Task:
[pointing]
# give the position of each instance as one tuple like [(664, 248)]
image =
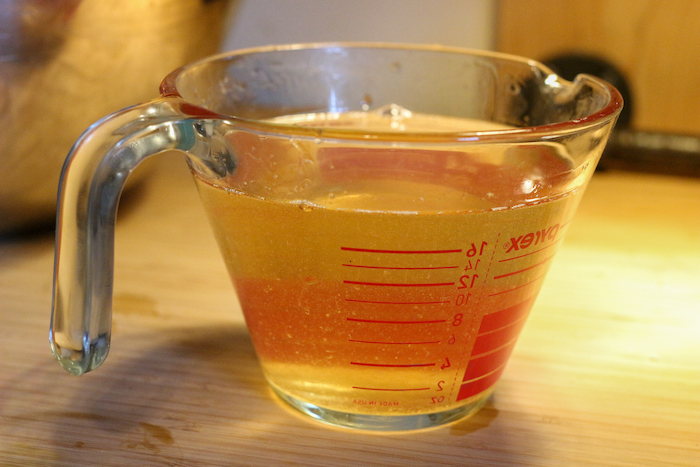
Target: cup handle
[(91, 183)]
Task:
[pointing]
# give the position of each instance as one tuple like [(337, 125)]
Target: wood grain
[(606, 372), (654, 43)]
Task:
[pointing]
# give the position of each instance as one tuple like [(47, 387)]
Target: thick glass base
[(383, 422)]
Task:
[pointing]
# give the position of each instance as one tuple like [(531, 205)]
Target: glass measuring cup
[(387, 214)]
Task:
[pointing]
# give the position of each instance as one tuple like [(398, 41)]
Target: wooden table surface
[(606, 372)]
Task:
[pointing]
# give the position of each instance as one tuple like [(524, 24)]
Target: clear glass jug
[(387, 214)]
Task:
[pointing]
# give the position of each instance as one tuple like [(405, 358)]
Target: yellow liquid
[(385, 280)]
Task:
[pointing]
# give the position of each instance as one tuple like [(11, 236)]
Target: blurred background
[(653, 44), (66, 63), (466, 23)]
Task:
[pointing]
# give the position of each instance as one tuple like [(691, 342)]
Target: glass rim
[(602, 117)]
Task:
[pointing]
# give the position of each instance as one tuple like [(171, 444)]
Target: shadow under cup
[(387, 213)]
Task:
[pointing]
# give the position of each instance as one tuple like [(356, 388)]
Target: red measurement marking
[(390, 267), (387, 389), (505, 317), (393, 343), (396, 322), (518, 287), (476, 386), (387, 365), (385, 284), (497, 339), (523, 270), (532, 252), (486, 364), (402, 252), (397, 303)]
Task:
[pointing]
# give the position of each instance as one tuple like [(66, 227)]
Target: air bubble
[(310, 280), (394, 111)]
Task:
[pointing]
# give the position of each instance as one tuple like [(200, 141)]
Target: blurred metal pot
[(66, 63)]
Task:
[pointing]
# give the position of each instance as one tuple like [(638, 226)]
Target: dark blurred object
[(627, 149), (31, 28), (660, 153), (67, 63)]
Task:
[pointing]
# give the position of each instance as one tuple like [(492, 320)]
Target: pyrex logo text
[(533, 238)]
